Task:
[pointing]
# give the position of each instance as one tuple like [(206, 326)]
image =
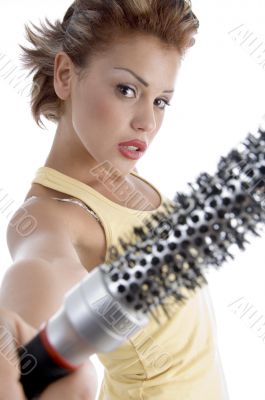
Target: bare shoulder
[(35, 219), (69, 229)]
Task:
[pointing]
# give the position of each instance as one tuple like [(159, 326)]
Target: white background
[(219, 99)]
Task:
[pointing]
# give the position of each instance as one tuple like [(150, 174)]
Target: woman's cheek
[(105, 110)]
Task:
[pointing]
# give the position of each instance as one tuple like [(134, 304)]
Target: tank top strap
[(74, 201), (117, 221)]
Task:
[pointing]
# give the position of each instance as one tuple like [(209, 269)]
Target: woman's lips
[(142, 146), (131, 154)]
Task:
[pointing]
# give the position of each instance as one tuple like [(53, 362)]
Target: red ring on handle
[(58, 359)]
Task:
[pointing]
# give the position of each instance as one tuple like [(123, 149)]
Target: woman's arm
[(45, 267)]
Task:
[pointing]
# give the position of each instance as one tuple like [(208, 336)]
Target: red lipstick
[(133, 149)]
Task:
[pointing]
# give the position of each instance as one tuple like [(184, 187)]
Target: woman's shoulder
[(80, 227)]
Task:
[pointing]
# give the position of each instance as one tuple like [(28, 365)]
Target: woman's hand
[(14, 332)]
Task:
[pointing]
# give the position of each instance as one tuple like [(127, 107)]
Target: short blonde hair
[(88, 28)]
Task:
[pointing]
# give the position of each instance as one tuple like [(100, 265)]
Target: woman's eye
[(166, 102), (124, 88)]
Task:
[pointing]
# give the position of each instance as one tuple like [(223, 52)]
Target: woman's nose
[(145, 118)]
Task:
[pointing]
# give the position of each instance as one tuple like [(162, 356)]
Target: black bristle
[(139, 232), (152, 312), (254, 231), (162, 304)]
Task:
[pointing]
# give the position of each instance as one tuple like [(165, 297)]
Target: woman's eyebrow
[(141, 79)]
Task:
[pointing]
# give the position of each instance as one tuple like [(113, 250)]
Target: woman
[(105, 76)]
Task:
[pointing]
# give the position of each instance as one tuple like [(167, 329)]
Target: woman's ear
[(63, 71)]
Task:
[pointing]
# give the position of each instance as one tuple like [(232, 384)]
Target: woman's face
[(110, 105)]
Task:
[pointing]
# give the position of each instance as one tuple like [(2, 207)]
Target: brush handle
[(49, 367)]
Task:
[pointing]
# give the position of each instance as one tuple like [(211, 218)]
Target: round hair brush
[(169, 252)]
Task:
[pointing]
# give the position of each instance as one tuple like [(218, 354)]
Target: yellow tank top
[(177, 360)]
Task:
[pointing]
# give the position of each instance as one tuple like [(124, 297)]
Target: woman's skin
[(98, 115)]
